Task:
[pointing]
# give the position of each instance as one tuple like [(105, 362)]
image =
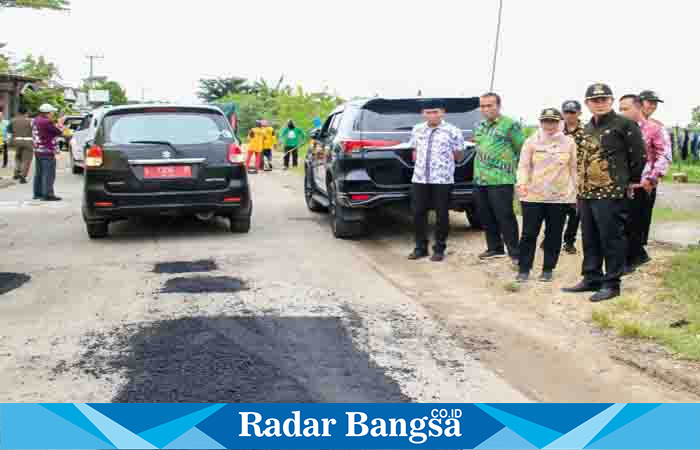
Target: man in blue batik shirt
[(436, 143)]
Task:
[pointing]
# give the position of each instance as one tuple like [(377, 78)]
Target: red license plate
[(167, 171)]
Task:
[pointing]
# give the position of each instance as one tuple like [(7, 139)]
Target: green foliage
[(117, 94), (4, 64), (32, 100), (61, 5), (695, 119), (280, 105), (38, 68), (213, 89)]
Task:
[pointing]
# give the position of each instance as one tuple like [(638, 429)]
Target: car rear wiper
[(156, 143)]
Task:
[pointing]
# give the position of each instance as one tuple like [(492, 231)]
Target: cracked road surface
[(181, 310)]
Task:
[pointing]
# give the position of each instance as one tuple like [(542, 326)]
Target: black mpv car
[(165, 159), (360, 159)]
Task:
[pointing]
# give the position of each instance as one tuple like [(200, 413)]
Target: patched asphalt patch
[(203, 285), (238, 359), (203, 265), (11, 281)]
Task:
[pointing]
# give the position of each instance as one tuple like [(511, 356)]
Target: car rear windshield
[(177, 128), (403, 115)]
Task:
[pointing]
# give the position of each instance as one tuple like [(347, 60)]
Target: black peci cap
[(432, 103), (571, 106), (550, 114), (650, 95), (598, 90)]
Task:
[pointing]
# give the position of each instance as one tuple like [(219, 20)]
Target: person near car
[(291, 138), (573, 127), (269, 140), (44, 133), (436, 145), (255, 147), (20, 129), (546, 185), (3, 139), (611, 159), (641, 205), (499, 140)]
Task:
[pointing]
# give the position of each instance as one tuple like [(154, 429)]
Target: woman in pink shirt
[(546, 186)]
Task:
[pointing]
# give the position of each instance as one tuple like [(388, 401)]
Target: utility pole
[(495, 51), (92, 59)]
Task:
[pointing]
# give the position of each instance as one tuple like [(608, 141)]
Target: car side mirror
[(315, 133)]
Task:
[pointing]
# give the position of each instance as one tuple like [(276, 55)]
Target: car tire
[(240, 224), (97, 230), (342, 229), (473, 218), (312, 204)]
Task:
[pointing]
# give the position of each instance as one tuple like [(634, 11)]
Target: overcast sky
[(550, 50)]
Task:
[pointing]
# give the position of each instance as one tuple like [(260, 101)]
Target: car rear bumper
[(460, 198), (100, 205)]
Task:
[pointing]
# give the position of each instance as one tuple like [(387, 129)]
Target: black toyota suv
[(165, 159), (361, 159)]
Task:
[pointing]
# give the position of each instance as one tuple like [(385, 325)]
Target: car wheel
[(312, 204), (342, 229), (240, 224), (473, 218), (97, 230)]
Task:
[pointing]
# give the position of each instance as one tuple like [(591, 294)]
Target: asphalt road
[(181, 310)]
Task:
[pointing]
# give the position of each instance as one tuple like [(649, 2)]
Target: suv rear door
[(154, 149), (384, 130)]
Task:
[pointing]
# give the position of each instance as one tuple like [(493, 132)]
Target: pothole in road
[(203, 265), (203, 285), (238, 359), (11, 281)]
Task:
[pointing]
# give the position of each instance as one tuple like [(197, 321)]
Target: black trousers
[(640, 210), (425, 198), (294, 152), (572, 221), (495, 207), (4, 154), (553, 215), (603, 225)]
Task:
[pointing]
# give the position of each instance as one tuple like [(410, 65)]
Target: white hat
[(46, 108)]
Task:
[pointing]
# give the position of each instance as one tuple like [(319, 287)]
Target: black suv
[(360, 159), (157, 159)]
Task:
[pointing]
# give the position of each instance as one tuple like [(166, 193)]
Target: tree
[(38, 68), (60, 5), (212, 89), (117, 94), (695, 120), (32, 100)]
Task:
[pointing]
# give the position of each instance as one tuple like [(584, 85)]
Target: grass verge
[(670, 315), (666, 214), (691, 169)]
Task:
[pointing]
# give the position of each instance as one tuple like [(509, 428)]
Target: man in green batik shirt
[(499, 140)]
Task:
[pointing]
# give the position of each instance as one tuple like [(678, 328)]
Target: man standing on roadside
[(21, 130), (574, 129), (644, 194), (499, 140), (612, 153), (436, 143), (45, 132), (291, 138), (3, 139)]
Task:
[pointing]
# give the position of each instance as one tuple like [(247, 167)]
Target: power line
[(495, 51)]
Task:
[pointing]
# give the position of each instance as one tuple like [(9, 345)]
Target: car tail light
[(359, 197), (235, 154), (357, 145), (93, 156), (104, 204), (232, 199)]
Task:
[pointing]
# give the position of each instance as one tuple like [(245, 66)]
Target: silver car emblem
[(166, 154)]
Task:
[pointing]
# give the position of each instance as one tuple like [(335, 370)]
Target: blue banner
[(349, 426)]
